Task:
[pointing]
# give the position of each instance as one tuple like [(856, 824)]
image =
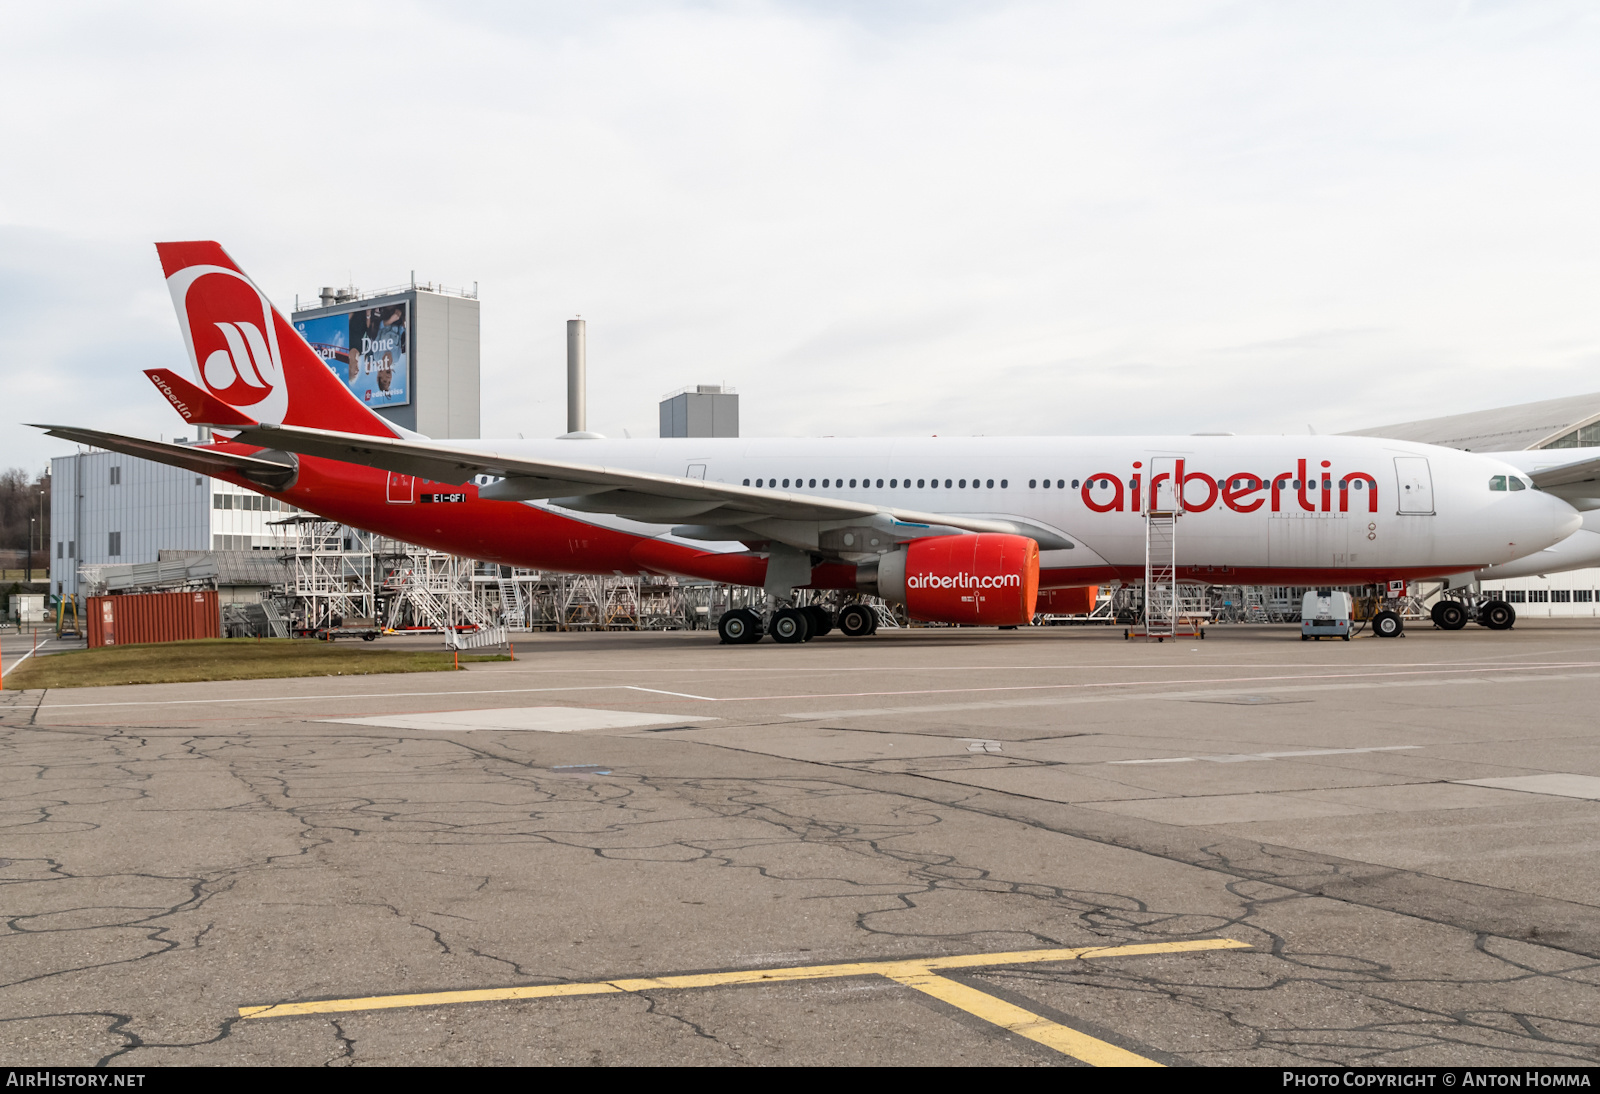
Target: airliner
[(975, 530)]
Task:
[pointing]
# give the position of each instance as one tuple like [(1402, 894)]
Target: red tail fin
[(246, 354)]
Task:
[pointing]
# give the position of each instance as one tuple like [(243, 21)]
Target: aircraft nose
[(1558, 519)]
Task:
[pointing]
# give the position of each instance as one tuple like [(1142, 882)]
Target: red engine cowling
[(986, 579)]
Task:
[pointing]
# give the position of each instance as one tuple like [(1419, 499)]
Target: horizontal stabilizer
[(276, 472), (196, 406)]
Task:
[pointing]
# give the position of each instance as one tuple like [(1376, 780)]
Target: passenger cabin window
[(1498, 482)]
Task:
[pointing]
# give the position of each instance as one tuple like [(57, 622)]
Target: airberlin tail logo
[(233, 340), (246, 360)]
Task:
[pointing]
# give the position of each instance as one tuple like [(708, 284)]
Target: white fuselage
[(1255, 509)]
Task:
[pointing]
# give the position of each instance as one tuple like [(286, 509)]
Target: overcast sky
[(981, 218)]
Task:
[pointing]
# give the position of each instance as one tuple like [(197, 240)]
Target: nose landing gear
[(1387, 624)]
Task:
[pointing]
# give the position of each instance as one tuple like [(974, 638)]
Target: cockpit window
[(1516, 483), (1497, 483)]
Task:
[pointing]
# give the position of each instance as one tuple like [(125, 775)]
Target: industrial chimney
[(576, 410)]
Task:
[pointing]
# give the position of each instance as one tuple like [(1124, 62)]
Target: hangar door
[(1415, 484)]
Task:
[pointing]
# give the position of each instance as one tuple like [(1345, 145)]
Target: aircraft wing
[(273, 473), (592, 488), (571, 484)]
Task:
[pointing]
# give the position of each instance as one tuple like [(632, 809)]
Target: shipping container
[(1068, 601), (152, 617)]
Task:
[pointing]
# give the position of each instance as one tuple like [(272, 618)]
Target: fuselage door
[(1415, 482), (402, 488), (696, 471), (1161, 492)]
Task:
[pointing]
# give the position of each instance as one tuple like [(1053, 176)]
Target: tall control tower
[(410, 353)]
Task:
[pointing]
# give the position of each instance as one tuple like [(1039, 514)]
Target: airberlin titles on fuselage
[(1105, 492), (1241, 491)]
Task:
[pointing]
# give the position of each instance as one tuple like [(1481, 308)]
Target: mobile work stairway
[(1163, 615)]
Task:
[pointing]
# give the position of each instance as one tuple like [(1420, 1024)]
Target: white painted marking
[(978, 744), (447, 694), (27, 655), (1561, 784), (1479, 677), (679, 694), (1247, 757), (538, 719)]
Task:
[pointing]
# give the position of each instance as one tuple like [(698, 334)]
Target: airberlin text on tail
[(196, 405), (245, 355)]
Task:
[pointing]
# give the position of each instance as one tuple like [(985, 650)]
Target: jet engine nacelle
[(984, 579)]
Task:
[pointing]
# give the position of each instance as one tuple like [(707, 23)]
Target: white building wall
[(148, 507), (241, 520), (1575, 593)]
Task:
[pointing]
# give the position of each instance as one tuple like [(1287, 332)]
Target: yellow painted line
[(1024, 1023), (891, 969), (436, 998)]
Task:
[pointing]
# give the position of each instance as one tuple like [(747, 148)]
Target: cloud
[(1013, 218)]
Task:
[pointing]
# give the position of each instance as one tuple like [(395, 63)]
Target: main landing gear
[(858, 620), (791, 626), (740, 627), (1453, 615)]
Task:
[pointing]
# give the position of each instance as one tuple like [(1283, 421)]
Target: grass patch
[(223, 659)]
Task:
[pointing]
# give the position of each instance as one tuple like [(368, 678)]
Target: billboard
[(369, 349)]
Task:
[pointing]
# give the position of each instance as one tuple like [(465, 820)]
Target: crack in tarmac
[(868, 847)]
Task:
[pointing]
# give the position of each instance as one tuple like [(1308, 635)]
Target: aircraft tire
[(1449, 615), (857, 620), (791, 626), (821, 620), (1388, 625), (739, 627), (1497, 615)]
